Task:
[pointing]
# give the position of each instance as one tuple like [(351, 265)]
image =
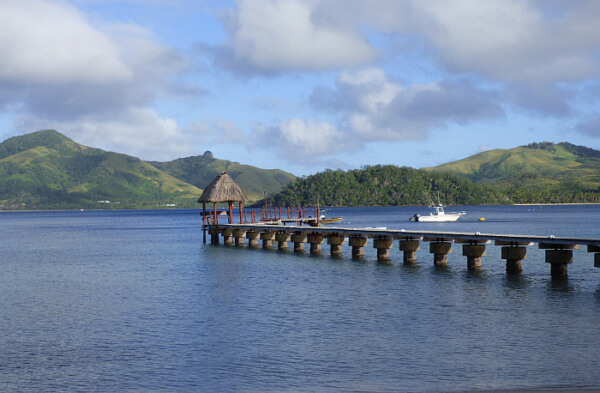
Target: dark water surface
[(133, 301)]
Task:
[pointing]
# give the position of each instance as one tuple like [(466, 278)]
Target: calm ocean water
[(133, 301)]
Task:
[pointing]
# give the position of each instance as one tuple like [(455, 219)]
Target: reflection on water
[(132, 301), (560, 284)]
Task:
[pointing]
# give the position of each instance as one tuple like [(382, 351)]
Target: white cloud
[(217, 131), (137, 131), (512, 40), (273, 35), (297, 140), (376, 107), (505, 40), (50, 42), (95, 83)]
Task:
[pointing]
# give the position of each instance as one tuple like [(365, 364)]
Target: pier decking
[(558, 250)]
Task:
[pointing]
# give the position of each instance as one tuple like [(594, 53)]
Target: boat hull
[(324, 221), (439, 217)]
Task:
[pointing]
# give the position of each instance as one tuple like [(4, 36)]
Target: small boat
[(324, 220), (438, 215)]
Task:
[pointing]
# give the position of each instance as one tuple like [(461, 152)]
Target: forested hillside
[(382, 185), (201, 170), (47, 170), (536, 173)]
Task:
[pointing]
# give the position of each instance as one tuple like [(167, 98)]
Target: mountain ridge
[(47, 170), (536, 172)]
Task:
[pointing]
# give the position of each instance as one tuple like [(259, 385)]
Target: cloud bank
[(358, 72)]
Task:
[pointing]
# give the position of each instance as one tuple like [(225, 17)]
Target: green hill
[(537, 173), (47, 170), (382, 185), (201, 170)]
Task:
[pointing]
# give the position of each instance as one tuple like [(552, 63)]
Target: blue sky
[(303, 85)]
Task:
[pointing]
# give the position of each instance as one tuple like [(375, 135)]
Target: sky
[(303, 85)]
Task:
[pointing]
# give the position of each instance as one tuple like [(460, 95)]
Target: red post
[(215, 213), (231, 212), (241, 213), (318, 215)]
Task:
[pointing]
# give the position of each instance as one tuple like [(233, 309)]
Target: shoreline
[(322, 207), (538, 390), (554, 204)]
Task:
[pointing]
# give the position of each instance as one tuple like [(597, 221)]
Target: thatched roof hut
[(222, 189)]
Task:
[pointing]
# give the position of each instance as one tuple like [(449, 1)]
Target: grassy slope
[(47, 169), (201, 170), (540, 168), (549, 162)]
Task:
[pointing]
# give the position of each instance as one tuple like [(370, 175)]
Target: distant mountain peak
[(51, 139), (542, 145), (576, 150)]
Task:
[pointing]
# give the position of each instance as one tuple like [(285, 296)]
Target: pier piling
[(410, 248), (336, 241), (267, 239), (239, 236), (513, 253), (558, 251), (473, 250), (282, 239), (214, 236), (440, 250), (315, 240), (358, 245), (299, 239), (227, 236), (253, 238), (383, 246), (559, 256), (596, 251)]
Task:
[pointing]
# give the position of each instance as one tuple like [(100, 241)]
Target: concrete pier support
[(596, 251), (282, 239), (336, 241), (473, 252), (514, 256), (440, 251), (383, 246), (410, 248), (227, 236), (267, 239), (315, 240), (358, 244), (239, 236), (214, 236), (252, 237), (299, 239), (559, 256), (513, 253)]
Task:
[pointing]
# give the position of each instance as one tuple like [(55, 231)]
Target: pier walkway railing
[(558, 250)]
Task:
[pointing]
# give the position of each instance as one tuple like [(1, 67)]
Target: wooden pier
[(558, 250)]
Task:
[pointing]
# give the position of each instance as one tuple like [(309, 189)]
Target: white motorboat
[(439, 214)]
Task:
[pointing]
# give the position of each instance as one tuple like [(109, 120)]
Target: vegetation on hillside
[(201, 170), (46, 170), (537, 173), (382, 185)]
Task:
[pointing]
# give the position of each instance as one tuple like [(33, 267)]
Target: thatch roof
[(223, 189)]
